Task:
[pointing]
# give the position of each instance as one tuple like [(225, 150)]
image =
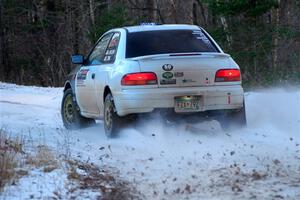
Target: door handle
[(93, 75)]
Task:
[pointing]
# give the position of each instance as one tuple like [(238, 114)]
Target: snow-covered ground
[(200, 161)]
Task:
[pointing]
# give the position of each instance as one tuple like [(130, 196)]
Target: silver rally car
[(140, 69)]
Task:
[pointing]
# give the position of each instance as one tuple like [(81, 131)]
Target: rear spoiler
[(174, 55)]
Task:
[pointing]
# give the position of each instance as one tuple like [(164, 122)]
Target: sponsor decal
[(167, 75), (188, 81), (107, 58), (196, 32), (178, 74), (110, 52), (81, 76), (201, 36), (167, 82), (167, 67), (114, 41)]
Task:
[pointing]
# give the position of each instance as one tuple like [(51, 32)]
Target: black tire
[(70, 113), (112, 121), (233, 119)]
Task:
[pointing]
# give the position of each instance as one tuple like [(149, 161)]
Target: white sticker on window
[(107, 58)]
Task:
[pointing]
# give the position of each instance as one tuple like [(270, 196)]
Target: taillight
[(143, 78), (225, 75)]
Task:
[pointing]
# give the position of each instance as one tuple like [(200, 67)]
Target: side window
[(111, 51), (98, 53)]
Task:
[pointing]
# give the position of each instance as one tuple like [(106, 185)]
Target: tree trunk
[(151, 7), (275, 21), (92, 14), (225, 27)]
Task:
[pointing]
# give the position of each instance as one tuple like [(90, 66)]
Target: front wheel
[(70, 113), (112, 121)]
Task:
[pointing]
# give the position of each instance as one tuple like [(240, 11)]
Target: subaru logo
[(168, 75), (167, 67)]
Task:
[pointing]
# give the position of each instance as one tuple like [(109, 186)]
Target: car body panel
[(130, 101), (195, 70), (84, 89)]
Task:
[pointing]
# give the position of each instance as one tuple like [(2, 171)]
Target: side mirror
[(77, 59)]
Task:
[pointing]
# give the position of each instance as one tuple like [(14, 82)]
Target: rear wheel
[(70, 113), (112, 121), (233, 119)]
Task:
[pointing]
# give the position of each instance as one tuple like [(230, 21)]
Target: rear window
[(167, 41)]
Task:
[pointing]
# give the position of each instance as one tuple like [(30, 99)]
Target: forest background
[(37, 37)]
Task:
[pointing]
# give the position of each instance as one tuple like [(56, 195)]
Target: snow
[(43, 184), (194, 162), (40, 185)]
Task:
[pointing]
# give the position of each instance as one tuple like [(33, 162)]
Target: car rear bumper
[(129, 101)]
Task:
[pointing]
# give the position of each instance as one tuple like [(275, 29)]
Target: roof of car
[(151, 27)]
